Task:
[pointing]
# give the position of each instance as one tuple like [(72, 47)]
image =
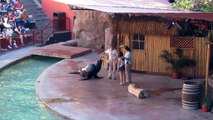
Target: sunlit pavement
[(14, 55), (103, 99)]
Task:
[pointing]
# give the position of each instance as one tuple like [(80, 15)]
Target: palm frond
[(179, 62)]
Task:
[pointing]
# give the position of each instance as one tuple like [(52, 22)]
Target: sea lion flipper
[(83, 79), (86, 78), (97, 77), (74, 72)]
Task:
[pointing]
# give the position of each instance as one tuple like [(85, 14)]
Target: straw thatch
[(142, 25)]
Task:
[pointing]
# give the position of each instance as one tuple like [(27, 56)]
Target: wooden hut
[(148, 36)]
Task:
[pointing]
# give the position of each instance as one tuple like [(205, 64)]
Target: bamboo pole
[(207, 68)]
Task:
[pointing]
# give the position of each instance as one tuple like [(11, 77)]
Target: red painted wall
[(50, 6)]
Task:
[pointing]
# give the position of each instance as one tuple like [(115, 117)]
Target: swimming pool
[(18, 100)]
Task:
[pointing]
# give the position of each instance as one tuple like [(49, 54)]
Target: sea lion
[(91, 70)]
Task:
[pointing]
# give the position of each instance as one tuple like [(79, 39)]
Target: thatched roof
[(145, 25)]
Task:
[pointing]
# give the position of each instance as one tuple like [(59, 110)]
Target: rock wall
[(89, 28)]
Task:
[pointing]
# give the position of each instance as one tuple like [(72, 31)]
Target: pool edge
[(48, 106), (3, 67)]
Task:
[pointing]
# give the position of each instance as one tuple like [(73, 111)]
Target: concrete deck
[(12, 56), (61, 51), (103, 99)]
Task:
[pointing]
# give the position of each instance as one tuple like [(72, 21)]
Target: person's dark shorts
[(121, 68)]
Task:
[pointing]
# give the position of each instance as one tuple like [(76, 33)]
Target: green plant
[(205, 101), (205, 105), (204, 98), (195, 5), (179, 61), (210, 36)]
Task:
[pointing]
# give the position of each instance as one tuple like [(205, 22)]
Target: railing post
[(53, 21), (69, 25), (42, 41), (41, 31), (33, 38)]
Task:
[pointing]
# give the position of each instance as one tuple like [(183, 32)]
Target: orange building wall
[(50, 6)]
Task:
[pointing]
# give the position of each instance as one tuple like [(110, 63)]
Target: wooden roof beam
[(72, 7)]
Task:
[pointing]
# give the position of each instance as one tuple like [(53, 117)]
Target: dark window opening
[(138, 41)]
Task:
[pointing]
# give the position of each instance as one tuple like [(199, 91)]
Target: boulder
[(89, 28)]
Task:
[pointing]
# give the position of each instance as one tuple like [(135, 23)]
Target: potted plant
[(177, 61), (205, 104), (205, 97)]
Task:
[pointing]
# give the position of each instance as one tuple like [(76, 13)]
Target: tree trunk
[(137, 91)]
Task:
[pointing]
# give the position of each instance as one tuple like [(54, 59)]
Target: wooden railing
[(55, 25)]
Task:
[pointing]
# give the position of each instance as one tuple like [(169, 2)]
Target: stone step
[(58, 37), (40, 18), (48, 27), (34, 9), (30, 6), (47, 35), (27, 1), (35, 12), (41, 24), (39, 13), (27, 4)]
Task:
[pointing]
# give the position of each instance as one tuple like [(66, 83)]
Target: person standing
[(128, 62), (121, 68), (112, 60)]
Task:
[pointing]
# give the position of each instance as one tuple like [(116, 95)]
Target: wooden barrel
[(190, 95)]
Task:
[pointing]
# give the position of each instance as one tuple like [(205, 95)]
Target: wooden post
[(207, 68)]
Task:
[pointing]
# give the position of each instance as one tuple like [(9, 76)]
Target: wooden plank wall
[(200, 56), (154, 45), (126, 39), (188, 72), (139, 60)]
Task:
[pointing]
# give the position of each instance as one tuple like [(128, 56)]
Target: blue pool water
[(18, 100)]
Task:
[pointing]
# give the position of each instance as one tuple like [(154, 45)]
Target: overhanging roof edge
[(129, 9)]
